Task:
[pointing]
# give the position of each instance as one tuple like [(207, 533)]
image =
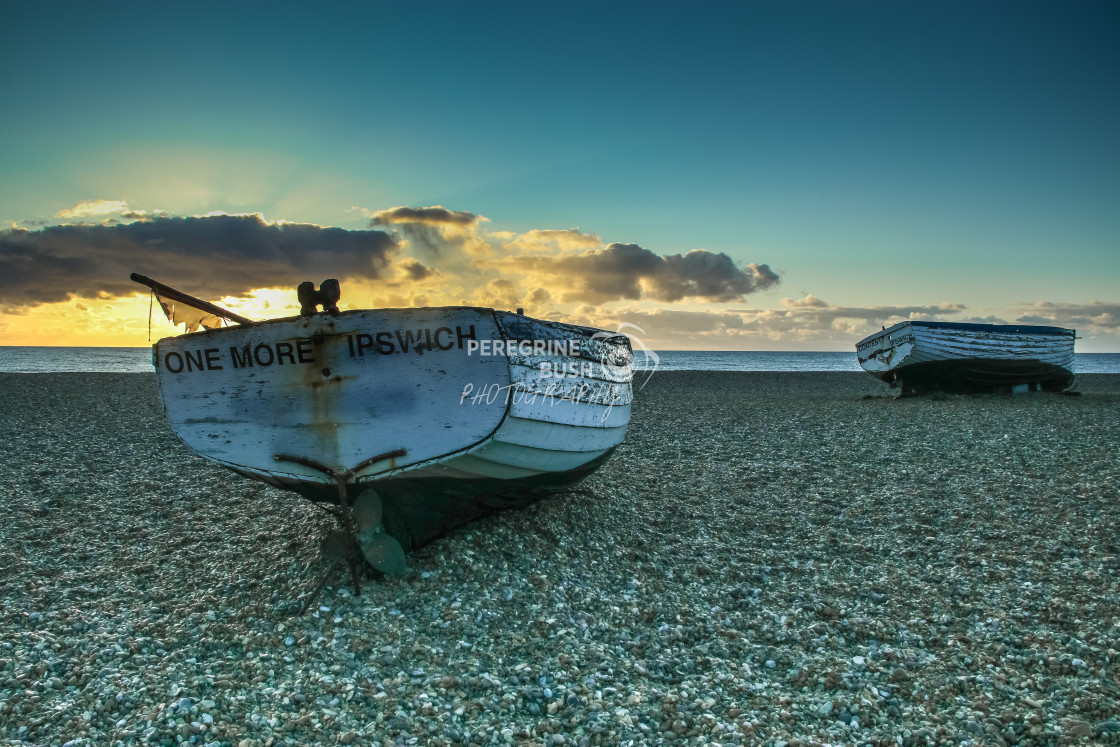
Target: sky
[(724, 176)]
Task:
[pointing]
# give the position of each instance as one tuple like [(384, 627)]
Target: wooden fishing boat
[(413, 420), (918, 357)]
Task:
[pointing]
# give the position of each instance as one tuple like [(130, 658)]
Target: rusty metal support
[(345, 516)]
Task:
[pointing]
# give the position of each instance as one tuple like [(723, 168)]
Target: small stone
[(348, 737), (1078, 728)]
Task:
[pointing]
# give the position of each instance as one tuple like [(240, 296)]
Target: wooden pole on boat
[(166, 291)]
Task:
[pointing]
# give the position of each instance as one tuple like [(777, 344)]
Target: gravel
[(785, 559)]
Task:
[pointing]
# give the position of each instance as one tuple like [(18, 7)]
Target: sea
[(139, 360)]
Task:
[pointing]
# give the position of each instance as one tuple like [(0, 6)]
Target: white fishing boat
[(418, 419), (918, 356)]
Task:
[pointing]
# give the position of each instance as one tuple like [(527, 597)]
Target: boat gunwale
[(1027, 329)]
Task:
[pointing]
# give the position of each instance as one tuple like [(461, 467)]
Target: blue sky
[(884, 159)]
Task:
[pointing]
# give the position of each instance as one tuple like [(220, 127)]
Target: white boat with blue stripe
[(920, 356)]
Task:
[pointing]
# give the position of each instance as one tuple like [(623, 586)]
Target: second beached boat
[(918, 356)]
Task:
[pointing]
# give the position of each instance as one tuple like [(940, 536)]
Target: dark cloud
[(627, 271), (215, 256), (436, 215), (537, 298), (713, 277), (424, 227), (414, 269)]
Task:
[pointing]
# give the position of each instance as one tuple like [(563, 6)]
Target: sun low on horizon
[(750, 176)]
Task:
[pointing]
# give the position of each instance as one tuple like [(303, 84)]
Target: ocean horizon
[(44, 359)]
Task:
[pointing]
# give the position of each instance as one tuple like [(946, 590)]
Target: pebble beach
[(770, 559)]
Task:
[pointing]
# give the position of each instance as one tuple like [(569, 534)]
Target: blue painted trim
[(1011, 328)]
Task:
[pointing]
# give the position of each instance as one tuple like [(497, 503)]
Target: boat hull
[(922, 357), (448, 413)]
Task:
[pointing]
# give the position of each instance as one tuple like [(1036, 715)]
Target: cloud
[(415, 270), (89, 208), (1094, 316), (570, 264), (712, 277), (549, 241), (824, 314), (812, 323), (437, 215), (438, 232), (499, 293), (804, 322), (536, 299), (629, 272), (221, 255), (809, 302)]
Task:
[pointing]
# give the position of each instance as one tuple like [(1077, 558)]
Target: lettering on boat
[(302, 350), (249, 355), (408, 340), (896, 338)]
